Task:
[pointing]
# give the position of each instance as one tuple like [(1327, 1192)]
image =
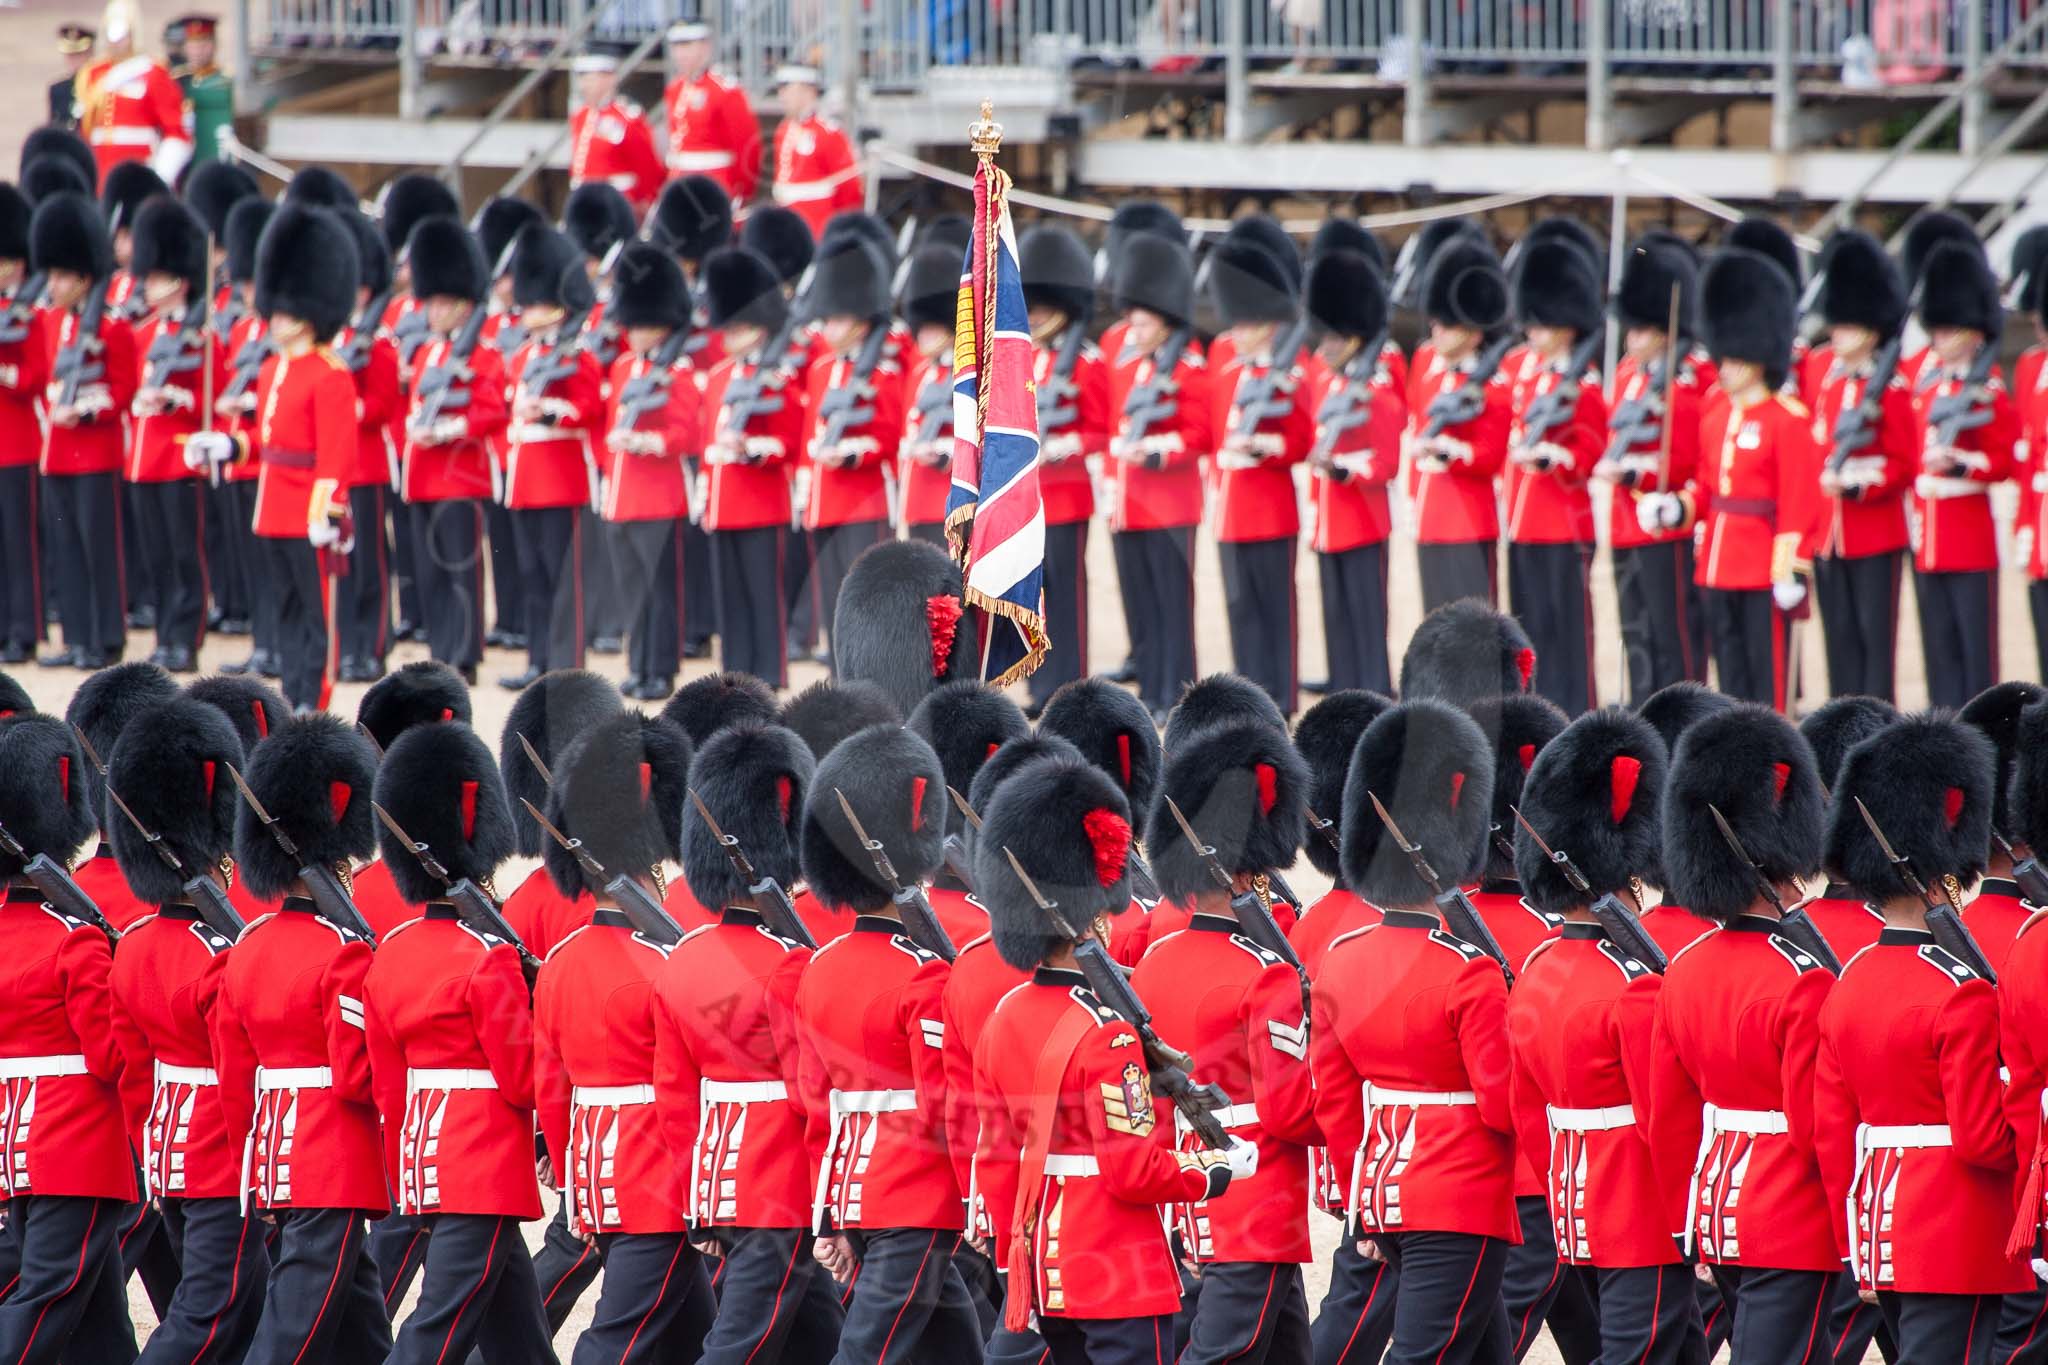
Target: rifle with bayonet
[(1266, 394), (1455, 407), (408, 333), (1856, 427), (1157, 399), (81, 360), (53, 879), (1621, 925), (1461, 916), (1059, 398), (443, 389), (920, 921), (1969, 407), (1639, 420), (1549, 411), (363, 333), (769, 898), (177, 350), (20, 312), (1348, 407), (647, 391), (751, 395), (207, 895), (1942, 920), (1171, 1068), (473, 905), (2026, 871), (248, 367), (853, 402), (647, 915), (558, 361), (934, 411), (1794, 924), (323, 888), (1254, 917)]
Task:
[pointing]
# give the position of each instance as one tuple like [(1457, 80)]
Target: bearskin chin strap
[(227, 870), (1953, 889), (345, 873), (660, 882)]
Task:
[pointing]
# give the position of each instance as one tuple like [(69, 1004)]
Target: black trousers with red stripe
[(1663, 627), (700, 606), (1650, 1314), (549, 541), (398, 1244), (1356, 1319), (1854, 1324), (219, 1298), (1247, 1313), (1355, 618), (1108, 1341), (746, 579), (1781, 1317), (655, 1303), (292, 568), (1550, 591), (85, 519), (835, 548), (565, 1266), (1259, 598), (800, 590), (1750, 641), (1538, 1291), (477, 1290), (146, 1251), (648, 559), (1452, 572), (1066, 609), (510, 592), (2023, 1328), (247, 547), (323, 1305), (69, 1302), (909, 1302), (1859, 611), (362, 599), (21, 568), (170, 535), (448, 560), (1941, 1329), (225, 572), (1958, 633), (1157, 569), (775, 1302), (1447, 1304)]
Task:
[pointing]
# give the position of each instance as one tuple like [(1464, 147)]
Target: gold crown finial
[(985, 135)]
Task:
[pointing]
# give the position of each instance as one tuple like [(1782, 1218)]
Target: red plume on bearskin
[(620, 786), (1927, 780), (754, 777), (1430, 765), (167, 767), (314, 775), (40, 804), (441, 783), (965, 723), (1733, 761), (1594, 793), (1069, 826), (1113, 730), (880, 771)]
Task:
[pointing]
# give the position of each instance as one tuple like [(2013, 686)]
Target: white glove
[(176, 398), (208, 447), (1549, 455), (1243, 1159), (327, 535), (1658, 512), (1864, 471), (1063, 447), (1451, 450), (1788, 593)]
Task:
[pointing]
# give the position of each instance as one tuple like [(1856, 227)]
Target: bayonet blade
[(284, 841), (1735, 843), (364, 731), (1561, 861), (420, 851), (1870, 821), (1326, 828), (876, 853), (533, 757), (1051, 908), (966, 811), (574, 847), (90, 752), (155, 840), (1387, 819), (728, 842)]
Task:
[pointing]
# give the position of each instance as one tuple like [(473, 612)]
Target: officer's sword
[(1461, 916), (322, 886), (768, 895), (1795, 924), (649, 918), (473, 905), (1624, 929), (919, 919), (203, 891), (1942, 920)]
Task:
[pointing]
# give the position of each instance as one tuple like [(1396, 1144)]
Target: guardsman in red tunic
[(725, 1069), (68, 1169), (620, 788), (1997, 913), (91, 383), (248, 341), (130, 106), (1648, 451), (925, 455), (178, 360), (1757, 492), (127, 188), (551, 463), (966, 723), (363, 599), (815, 167), (1411, 1043), (1580, 1022), (292, 1056), (609, 140), (1073, 1169), (171, 769), (1239, 1010), (100, 710), (653, 412), (1558, 433), (712, 129), (871, 1078), (24, 371), (1848, 922), (755, 403), (1862, 537), (1968, 429), (1161, 431), (1257, 515), (1737, 1031), (1910, 1115), (2022, 1009)]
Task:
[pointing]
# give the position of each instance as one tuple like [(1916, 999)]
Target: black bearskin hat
[(15, 213), (306, 268), (1861, 286), (446, 261), (214, 187), (782, 238), (52, 175), (1957, 289), (171, 767), (1219, 699), (965, 722), (1156, 274), (420, 693), (899, 623), (952, 231), (1465, 287), (826, 713), (1767, 239), (1250, 285), (102, 708), (442, 787), (1839, 725), (1113, 730), (1148, 217), (1650, 272), (931, 288), (597, 218), (1070, 828), (251, 705), (1430, 766), (620, 786), (1346, 295), (895, 785), (1927, 230), (14, 699), (68, 233), (170, 239), (1325, 736), (1519, 726), (1749, 763), (1242, 787), (1264, 232), (1594, 794), (692, 219), (373, 258), (1347, 234), (1557, 231), (859, 227), (1057, 272), (706, 705), (244, 233), (128, 186), (541, 259), (849, 279), (755, 778), (315, 776), (1418, 253), (1557, 287), (320, 187), (1006, 762), (61, 145), (44, 801), (741, 287), (648, 289), (409, 201), (500, 223), (1676, 707), (2026, 797), (1996, 711), (549, 713), (1927, 782), (1465, 651), (1749, 309)]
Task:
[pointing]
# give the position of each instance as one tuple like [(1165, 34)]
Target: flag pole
[(985, 138)]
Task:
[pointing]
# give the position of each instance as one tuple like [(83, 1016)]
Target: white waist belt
[(166, 1074), (1591, 1120), (742, 1092), (25, 1068), (1230, 1116), (873, 1101), (803, 191), (1386, 1097), (1746, 1120), (294, 1077), (1940, 488), (118, 135), (1071, 1164), (700, 161), (532, 433), (1871, 1137), (611, 1096), (449, 1078)]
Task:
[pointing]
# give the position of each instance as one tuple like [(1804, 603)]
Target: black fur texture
[(1156, 274), (649, 289), (597, 218), (171, 767), (1465, 286), (127, 187), (170, 240), (1912, 776), (1519, 727), (629, 818), (1057, 271), (1648, 276), (48, 176), (1070, 828), (1465, 651), (1010, 760), (1767, 239), (246, 224), (2026, 796), (541, 257), (1957, 289), (1249, 284), (1242, 787), (741, 286), (252, 706), (68, 233), (1839, 725), (895, 785), (319, 187), (706, 705), (1219, 699), (1431, 767), (1326, 736), (850, 278), (419, 693), (1676, 707), (1347, 294), (1752, 765), (411, 200), (1862, 286), (316, 776), (1604, 762), (1749, 309), (214, 187), (306, 268), (499, 224), (1113, 730), (61, 144), (827, 713), (551, 712), (931, 288), (441, 785), (1927, 230), (755, 778), (102, 708), (1996, 711), (446, 261), (782, 237), (882, 628), (965, 722), (1557, 286), (14, 699), (44, 801), (692, 219)]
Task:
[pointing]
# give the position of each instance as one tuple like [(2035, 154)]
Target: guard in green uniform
[(209, 91)]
